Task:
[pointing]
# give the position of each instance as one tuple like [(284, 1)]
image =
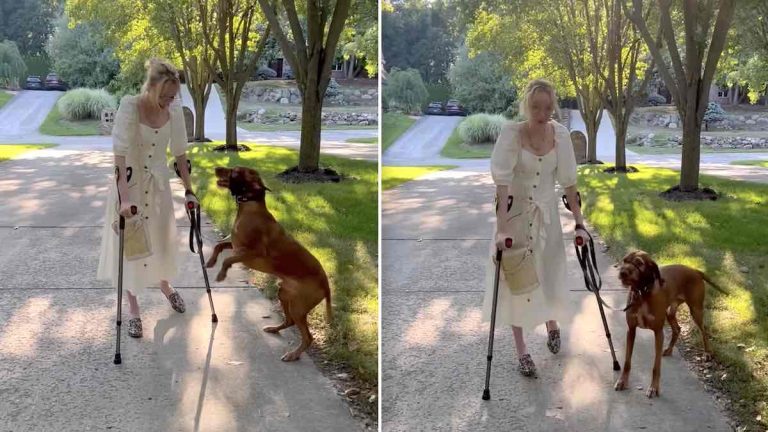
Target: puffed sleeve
[(178, 131), (505, 154), (566, 158), (124, 128)]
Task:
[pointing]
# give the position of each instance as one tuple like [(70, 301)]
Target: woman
[(527, 160), (144, 127)]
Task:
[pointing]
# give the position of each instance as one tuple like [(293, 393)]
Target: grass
[(455, 148), (10, 151), (392, 127), (759, 163), (253, 127), (5, 97), (663, 150), (720, 238), (55, 125), (278, 108), (336, 222), (364, 140), (393, 176)]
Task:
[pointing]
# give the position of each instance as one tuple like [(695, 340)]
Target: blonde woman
[(145, 125), (529, 158)]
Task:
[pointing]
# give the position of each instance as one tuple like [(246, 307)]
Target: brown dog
[(654, 296), (260, 243)]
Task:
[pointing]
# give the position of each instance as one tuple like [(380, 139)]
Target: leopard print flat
[(527, 367), (553, 341), (177, 303), (135, 329)]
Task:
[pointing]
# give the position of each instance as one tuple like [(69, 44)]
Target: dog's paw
[(290, 356), (221, 276), (653, 391), (211, 262), (271, 329), (707, 356), (667, 352), (621, 384)]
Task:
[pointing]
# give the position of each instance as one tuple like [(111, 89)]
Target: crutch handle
[(579, 241), (508, 242), (190, 205)]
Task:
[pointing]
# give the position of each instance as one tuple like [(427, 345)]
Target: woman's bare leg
[(165, 287), (551, 325), (522, 349), (133, 305)]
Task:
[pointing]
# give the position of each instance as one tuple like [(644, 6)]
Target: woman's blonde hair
[(159, 74), (531, 89)]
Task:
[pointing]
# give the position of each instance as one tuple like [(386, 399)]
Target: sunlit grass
[(758, 163), (338, 223), (392, 127), (719, 237), (55, 125), (5, 97), (456, 148), (10, 151), (393, 176)]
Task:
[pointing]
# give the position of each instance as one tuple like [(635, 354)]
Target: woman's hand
[(127, 209), (503, 241), (581, 236)]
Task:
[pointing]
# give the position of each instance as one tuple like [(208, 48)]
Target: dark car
[(52, 82), (453, 108), (435, 108), (34, 83)]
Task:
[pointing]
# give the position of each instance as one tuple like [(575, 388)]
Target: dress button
[(539, 159), (150, 155), (537, 173), (153, 144), (146, 192), (534, 186), (146, 205), (155, 131), (145, 167), (146, 217)]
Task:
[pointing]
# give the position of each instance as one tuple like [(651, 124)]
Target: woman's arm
[(122, 179), (573, 202), (181, 162)]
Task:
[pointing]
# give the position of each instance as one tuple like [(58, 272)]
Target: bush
[(480, 83), (438, 93), (656, 99), (512, 112), (85, 104), (12, 67), (334, 89), (481, 128), (405, 91), (714, 113), (263, 73), (81, 55)]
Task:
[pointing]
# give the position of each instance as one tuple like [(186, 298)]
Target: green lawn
[(55, 125), (393, 176), (393, 125), (10, 151), (253, 127), (364, 140), (336, 222), (5, 97), (455, 148), (653, 150), (760, 163), (717, 237)]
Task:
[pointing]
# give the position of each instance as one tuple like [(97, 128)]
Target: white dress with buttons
[(149, 187), (533, 178)]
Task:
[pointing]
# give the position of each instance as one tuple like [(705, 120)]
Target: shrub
[(656, 99), (481, 128), (405, 91), (84, 103), (263, 73), (714, 113), (480, 82)]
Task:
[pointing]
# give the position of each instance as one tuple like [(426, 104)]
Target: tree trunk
[(311, 125), (689, 170), (231, 112), (620, 127)]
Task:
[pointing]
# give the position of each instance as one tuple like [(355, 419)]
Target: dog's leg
[(306, 339), (234, 259), (653, 390), (287, 321), (672, 318), (216, 251), (621, 384), (697, 313)]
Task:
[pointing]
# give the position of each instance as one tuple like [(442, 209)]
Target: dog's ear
[(654, 270)]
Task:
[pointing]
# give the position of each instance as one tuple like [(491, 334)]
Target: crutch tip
[(118, 359), (214, 318), (486, 394), (616, 366)]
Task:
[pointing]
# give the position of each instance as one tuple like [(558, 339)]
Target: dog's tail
[(709, 281), (328, 308)]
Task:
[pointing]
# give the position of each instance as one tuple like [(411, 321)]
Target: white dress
[(149, 187), (533, 179)]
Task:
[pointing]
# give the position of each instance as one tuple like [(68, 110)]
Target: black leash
[(588, 262)]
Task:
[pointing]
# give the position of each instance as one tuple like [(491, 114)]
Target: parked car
[(52, 82), (435, 108), (454, 108), (34, 82)]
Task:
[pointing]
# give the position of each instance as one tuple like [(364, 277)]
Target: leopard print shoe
[(553, 341), (177, 303), (135, 329), (527, 367)]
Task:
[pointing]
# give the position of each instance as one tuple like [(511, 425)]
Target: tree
[(312, 58), (229, 28), (182, 20), (688, 82), (480, 83), (29, 23), (12, 66), (744, 63), (360, 39), (81, 56), (405, 90)]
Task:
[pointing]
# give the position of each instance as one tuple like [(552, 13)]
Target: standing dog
[(260, 243), (654, 296)]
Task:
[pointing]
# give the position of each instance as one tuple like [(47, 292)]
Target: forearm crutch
[(487, 390), (121, 236), (193, 212)]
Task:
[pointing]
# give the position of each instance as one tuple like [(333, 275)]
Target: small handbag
[(519, 270), (136, 241)]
